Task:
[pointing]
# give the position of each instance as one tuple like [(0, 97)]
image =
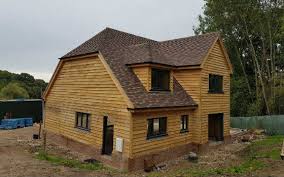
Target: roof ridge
[(196, 36), (120, 31)]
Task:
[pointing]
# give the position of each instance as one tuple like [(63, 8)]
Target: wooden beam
[(52, 80), (177, 108)]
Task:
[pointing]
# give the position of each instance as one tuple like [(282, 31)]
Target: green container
[(22, 108), (273, 125)]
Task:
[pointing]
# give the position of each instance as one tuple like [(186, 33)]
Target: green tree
[(13, 91), (33, 86), (253, 33)]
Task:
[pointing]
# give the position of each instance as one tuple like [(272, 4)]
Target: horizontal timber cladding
[(190, 80), (141, 145), (144, 75), (215, 102), (84, 85)]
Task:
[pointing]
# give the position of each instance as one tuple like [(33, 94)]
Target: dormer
[(154, 78)]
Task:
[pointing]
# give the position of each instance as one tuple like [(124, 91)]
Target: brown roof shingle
[(121, 49)]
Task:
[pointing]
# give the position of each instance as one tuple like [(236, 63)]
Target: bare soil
[(17, 159)]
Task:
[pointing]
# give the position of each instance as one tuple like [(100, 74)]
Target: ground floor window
[(184, 123), (157, 127), (82, 120)]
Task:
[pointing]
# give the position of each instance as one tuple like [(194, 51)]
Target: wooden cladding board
[(142, 146), (190, 80), (144, 75), (84, 85), (215, 103)]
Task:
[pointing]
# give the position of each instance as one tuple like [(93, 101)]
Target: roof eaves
[(79, 55)]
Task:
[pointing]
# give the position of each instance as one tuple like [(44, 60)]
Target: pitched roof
[(120, 49)]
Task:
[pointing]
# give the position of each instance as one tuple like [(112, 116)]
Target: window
[(184, 123), (157, 127), (215, 83), (160, 79), (82, 121)]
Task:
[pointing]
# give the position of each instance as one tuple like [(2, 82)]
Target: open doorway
[(107, 137), (216, 127)]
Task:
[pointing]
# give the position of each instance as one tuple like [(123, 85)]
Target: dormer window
[(160, 80)]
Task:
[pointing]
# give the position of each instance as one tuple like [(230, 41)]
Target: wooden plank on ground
[(282, 151)]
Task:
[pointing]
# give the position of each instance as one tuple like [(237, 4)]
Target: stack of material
[(16, 123)]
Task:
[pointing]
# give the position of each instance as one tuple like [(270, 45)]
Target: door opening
[(107, 137), (216, 127)]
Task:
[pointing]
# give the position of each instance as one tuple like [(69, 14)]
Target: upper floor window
[(157, 127), (184, 123), (160, 79), (82, 120), (215, 83)]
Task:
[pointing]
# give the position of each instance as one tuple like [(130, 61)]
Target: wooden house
[(125, 99)]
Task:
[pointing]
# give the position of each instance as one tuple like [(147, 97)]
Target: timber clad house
[(125, 99)]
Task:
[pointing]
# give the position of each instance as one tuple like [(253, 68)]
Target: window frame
[(81, 116), (151, 134), (159, 71), (184, 123), (215, 83)]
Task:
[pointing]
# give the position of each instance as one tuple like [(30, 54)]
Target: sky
[(35, 33)]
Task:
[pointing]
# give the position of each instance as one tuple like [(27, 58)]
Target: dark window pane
[(79, 120), (150, 127), (160, 79), (163, 125), (215, 83)]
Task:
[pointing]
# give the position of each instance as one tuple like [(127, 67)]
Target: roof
[(121, 49)]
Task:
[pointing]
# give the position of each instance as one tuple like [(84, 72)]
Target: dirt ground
[(17, 161), (17, 158)]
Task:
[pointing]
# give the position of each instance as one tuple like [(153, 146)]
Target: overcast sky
[(35, 33)]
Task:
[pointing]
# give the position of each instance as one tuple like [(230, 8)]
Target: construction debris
[(282, 151), (192, 157)]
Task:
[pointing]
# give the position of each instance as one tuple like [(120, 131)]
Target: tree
[(253, 33), (33, 86), (13, 91)]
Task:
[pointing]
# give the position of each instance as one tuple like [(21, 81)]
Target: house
[(126, 100)]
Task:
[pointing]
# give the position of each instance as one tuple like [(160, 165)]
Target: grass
[(252, 156), (270, 147), (247, 166), (69, 162)]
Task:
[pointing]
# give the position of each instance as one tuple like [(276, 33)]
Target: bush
[(13, 91)]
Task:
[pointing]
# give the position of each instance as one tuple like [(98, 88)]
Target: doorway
[(107, 137), (216, 127)]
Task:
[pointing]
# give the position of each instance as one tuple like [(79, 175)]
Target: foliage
[(252, 155), (13, 91), (33, 87), (269, 147), (253, 33), (69, 162), (247, 166)]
